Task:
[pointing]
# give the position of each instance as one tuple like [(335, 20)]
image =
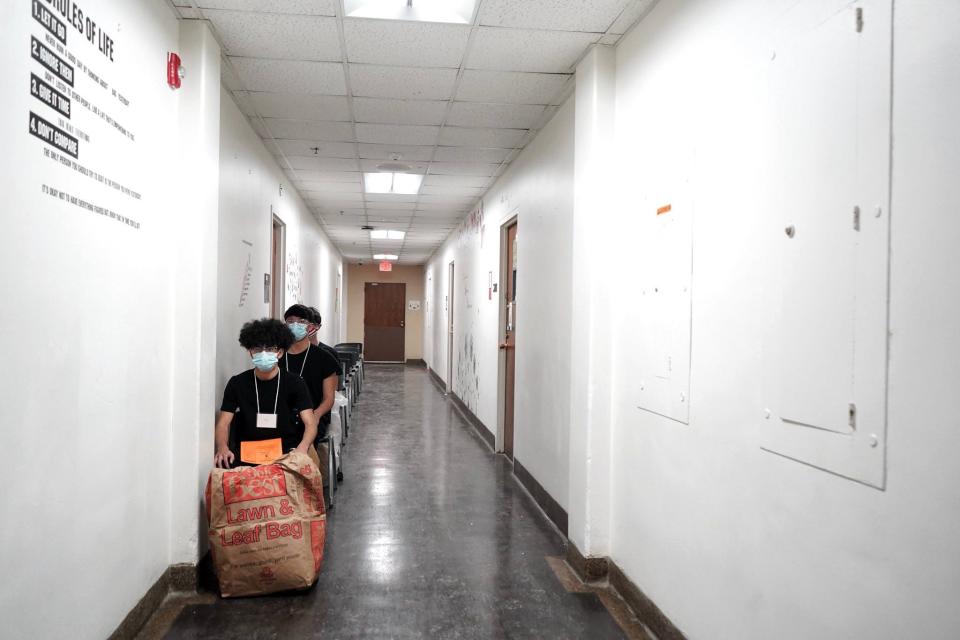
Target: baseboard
[(474, 421), (589, 569), (416, 362), (138, 616), (556, 513), (644, 608), (592, 569), (177, 577), (437, 380)]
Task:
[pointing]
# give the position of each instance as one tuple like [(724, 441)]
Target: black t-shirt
[(316, 365), (240, 399)]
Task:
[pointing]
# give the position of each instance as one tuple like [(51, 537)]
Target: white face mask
[(264, 360)]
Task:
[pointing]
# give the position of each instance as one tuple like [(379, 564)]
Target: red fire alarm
[(386, 266), (174, 70)]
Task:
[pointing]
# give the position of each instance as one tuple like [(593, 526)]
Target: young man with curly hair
[(262, 405)]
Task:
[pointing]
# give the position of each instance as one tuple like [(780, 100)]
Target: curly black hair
[(266, 332)]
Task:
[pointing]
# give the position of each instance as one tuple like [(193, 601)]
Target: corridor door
[(508, 275), (384, 306)]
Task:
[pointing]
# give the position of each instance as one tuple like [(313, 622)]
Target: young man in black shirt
[(314, 364), (263, 404)]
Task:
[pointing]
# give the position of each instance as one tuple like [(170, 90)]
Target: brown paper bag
[(267, 526)]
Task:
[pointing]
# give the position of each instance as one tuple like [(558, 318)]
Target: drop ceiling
[(334, 96)]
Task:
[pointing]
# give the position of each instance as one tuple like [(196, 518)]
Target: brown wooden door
[(384, 306), (509, 271)]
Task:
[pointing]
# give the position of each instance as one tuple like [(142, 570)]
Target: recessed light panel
[(387, 234), (453, 11), (392, 183), (384, 256)]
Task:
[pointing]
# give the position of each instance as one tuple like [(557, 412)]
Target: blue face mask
[(264, 360), (299, 330)]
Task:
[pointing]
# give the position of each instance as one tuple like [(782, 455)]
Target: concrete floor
[(430, 537)]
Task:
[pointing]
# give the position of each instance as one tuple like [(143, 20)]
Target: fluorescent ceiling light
[(387, 234), (407, 184), (455, 11), (384, 256)]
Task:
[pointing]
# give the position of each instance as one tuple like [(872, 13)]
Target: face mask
[(299, 330), (264, 360)]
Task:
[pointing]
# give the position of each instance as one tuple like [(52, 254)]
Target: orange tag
[(261, 451), (664, 209)]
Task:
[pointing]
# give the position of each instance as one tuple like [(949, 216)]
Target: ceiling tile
[(300, 130), (318, 175), (456, 181), (504, 116), (299, 107), (443, 207), (291, 76), (463, 168), (558, 15), (502, 138), (370, 164), (471, 154), (275, 35), (313, 188), (397, 134), (634, 12), (526, 50), (474, 192), (343, 216), (322, 164), (510, 87), (402, 82), (401, 43), (408, 153), (300, 7), (308, 147), (398, 206), (305, 186), (390, 198), (399, 111)]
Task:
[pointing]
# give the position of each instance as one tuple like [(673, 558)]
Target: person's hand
[(303, 448), (223, 458)]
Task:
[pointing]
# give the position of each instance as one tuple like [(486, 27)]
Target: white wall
[(538, 189), (86, 325), (250, 182), (731, 541)]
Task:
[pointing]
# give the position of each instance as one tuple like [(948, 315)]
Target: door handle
[(504, 345)]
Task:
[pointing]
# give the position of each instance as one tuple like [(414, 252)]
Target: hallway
[(430, 537)]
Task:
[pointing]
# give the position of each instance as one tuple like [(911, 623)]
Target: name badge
[(266, 421)]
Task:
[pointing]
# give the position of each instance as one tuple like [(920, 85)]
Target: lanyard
[(306, 354), (256, 389)]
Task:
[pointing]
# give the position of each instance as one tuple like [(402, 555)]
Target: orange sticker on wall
[(261, 451), (664, 209)]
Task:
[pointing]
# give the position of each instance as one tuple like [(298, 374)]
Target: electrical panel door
[(826, 344)]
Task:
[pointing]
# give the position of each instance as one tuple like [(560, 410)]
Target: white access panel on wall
[(660, 318), (825, 349)]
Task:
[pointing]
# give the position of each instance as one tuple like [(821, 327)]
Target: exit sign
[(386, 266)]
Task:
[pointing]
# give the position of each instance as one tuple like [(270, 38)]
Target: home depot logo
[(253, 483)]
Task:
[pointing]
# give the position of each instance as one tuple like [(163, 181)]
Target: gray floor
[(430, 537)]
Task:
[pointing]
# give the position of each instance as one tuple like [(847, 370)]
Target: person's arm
[(329, 395), (222, 456), (309, 429)]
